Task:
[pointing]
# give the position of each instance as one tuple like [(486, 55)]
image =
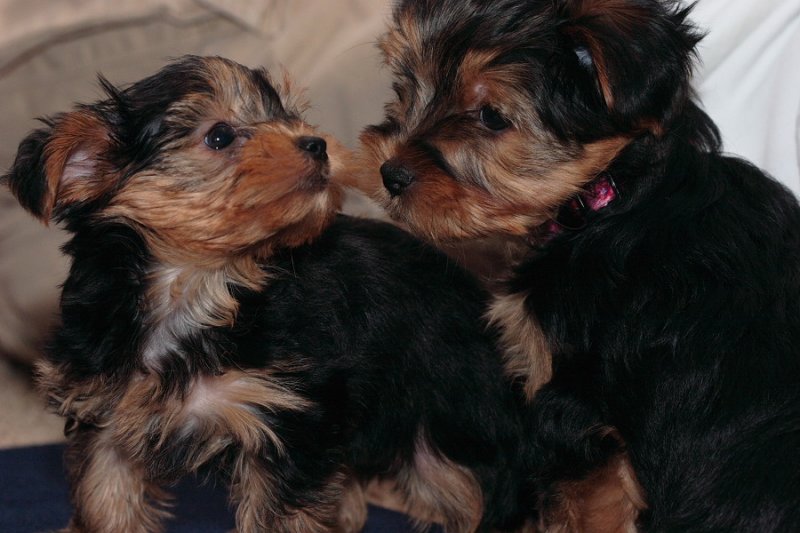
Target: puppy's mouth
[(318, 179)]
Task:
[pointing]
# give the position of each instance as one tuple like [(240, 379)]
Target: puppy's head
[(206, 158), (505, 108)]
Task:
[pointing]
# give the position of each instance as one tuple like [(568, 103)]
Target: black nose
[(314, 146), (396, 177)]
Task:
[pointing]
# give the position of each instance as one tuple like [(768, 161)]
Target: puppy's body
[(360, 358), (675, 318), (669, 314), (218, 319)]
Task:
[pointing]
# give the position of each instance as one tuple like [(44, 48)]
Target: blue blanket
[(34, 497)]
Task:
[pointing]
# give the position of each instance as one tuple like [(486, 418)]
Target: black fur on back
[(676, 315)]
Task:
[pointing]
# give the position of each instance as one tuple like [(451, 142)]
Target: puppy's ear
[(640, 53), (60, 164)]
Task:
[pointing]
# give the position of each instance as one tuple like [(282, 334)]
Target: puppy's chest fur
[(527, 351), (183, 303), (185, 402)]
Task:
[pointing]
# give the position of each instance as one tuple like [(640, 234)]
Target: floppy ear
[(60, 164), (639, 52)]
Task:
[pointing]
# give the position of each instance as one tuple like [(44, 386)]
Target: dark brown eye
[(220, 136), (492, 119)]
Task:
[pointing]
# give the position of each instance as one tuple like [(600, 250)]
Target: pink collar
[(596, 195)]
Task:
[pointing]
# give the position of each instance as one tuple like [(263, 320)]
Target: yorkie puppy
[(219, 318), (655, 311)]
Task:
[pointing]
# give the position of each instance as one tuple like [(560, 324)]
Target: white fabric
[(749, 80)]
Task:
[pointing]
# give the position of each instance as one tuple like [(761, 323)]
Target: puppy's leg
[(110, 493), (607, 500), (353, 510), (595, 488), (266, 503), (438, 490)]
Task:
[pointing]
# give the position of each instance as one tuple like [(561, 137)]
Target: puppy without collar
[(219, 318)]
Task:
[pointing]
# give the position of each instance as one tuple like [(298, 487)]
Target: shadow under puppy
[(659, 280), (220, 318)]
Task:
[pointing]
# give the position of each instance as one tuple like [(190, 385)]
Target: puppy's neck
[(184, 299), (491, 259)]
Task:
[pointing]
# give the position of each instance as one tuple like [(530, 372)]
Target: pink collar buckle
[(595, 196)]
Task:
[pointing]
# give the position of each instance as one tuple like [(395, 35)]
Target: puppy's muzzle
[(396, 177)]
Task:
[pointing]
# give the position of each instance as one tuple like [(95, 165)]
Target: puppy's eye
[(220, 136), (492, 119)]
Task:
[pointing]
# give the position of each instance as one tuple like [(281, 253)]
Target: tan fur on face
[(270, 187), (402, 38), (211, 219), (503, 183), (507, 182), (195, 204), (472, 79), (513, 203), (518, 201)]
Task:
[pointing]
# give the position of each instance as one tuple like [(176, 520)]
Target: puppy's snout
[(316, 147), (396, 177)]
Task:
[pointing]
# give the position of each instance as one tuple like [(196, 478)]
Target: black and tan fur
[(658, 339)]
